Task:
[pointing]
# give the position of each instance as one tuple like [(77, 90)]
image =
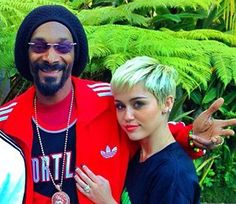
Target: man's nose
[(51, 55)]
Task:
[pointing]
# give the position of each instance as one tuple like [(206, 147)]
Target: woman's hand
[(208, 133), (95, 187)]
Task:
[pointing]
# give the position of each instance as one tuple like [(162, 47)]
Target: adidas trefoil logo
[(108, 153)]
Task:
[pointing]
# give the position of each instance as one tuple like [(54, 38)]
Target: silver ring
[(216, 144), (87, 189)]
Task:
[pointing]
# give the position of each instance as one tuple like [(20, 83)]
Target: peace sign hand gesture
[(208, 133)]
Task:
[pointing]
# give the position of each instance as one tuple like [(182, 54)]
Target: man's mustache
[(47, 67)]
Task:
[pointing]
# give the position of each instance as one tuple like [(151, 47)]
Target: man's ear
[(167, 106)]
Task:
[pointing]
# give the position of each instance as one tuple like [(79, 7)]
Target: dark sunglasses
[(63, 47)]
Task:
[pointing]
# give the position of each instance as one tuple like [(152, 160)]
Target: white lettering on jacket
[(54, 161)]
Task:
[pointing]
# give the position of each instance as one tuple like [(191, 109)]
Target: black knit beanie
[(42, 15)]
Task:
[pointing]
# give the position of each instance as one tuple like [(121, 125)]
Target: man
[(62, 121), (12, 171)]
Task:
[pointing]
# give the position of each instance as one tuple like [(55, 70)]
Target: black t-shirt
[(53, 144), (167, 177)]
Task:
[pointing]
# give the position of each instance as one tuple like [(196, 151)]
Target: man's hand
[(208, 132)]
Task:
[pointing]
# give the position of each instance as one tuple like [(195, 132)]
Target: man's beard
[(50, 87)]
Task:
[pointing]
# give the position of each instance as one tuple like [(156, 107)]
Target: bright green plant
[(218, 171)]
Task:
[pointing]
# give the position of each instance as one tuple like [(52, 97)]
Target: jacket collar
[(89, 107), (89, 104)]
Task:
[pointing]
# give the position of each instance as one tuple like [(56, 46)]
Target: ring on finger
[(214, 142), (210, 119), (217, 144), (87, 189)]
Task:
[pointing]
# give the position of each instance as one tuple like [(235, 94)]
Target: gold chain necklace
[(59, 196)]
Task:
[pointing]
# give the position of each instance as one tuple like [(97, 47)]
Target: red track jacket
[(100, 143)]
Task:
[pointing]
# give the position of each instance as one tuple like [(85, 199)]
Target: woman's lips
[(130, 128)]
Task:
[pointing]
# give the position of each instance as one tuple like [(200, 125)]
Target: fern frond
[(222, 60), (98, 50), (153, 4), (204, 34), (193, 59), (233, 66), (190, 72), (221, 68), (13, 12), (126, 13), (115, 60), (106, 15), (189, 57)]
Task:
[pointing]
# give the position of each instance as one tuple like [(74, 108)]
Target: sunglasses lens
[(64, 47), (39, 46)]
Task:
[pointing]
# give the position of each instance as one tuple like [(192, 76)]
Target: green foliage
[(222, 173), (204, 34), (229, 107), (107, 15), (192, 58), (6, 50), (142, 13), (173, 14), (204, 171), (229, 12)]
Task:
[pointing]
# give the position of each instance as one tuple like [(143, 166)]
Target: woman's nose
[(129, 114)]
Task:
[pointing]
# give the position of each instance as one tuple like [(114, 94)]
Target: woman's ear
[(167, 106)]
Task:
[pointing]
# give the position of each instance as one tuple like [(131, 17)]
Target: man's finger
[(226, 132), (228, 122), (199, 145), (214, 107), (199, 140)]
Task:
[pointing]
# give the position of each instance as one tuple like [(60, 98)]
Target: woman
[(160, 172)]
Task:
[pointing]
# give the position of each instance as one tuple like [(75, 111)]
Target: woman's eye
[(119, 106), (138, 104)]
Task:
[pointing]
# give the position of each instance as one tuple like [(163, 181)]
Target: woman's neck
[(155, 143)]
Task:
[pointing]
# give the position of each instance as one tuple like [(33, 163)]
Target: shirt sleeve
[(181, 134), (12, 173)]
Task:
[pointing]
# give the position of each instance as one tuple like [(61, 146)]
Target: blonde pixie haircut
[(158, 79)]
